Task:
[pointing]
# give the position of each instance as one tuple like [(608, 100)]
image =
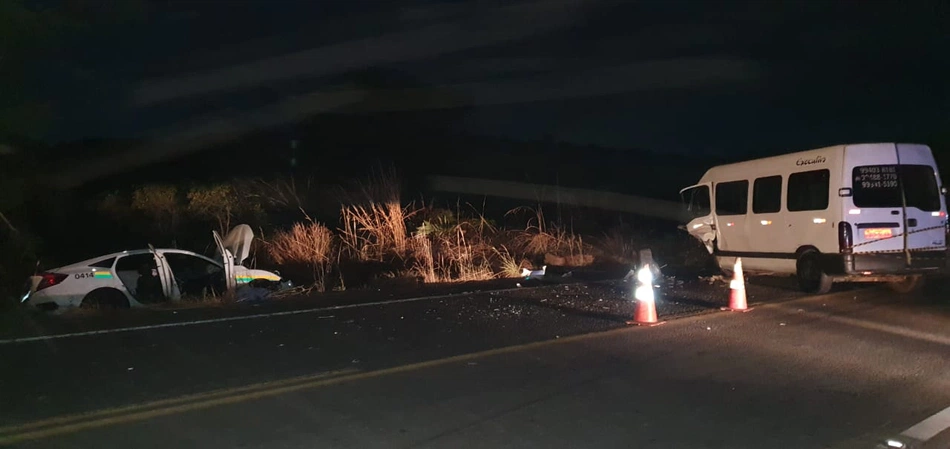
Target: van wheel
[(909, 284), (811, 279), (104, 298)]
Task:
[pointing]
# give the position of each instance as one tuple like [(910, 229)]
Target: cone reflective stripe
[(645, 313), (737, 296)]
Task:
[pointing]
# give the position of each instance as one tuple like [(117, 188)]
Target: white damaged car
[(137, 277)]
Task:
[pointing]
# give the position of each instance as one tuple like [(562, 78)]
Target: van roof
[(782, 158)]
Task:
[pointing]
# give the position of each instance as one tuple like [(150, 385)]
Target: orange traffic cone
[(645, 314), (737, 298)]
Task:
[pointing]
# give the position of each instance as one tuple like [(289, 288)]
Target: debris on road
[(614, 299), (534, 274), (714, 279)]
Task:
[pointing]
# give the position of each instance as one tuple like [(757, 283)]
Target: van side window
[(767, 195), (732, 198), (697, 201), (808, 190)]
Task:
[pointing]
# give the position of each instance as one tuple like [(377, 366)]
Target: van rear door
[(926, 211), (875, 206), (894, 188)]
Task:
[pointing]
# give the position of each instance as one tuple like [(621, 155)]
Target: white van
[(867, 212)]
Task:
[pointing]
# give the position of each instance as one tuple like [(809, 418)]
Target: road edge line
[(930, 427), (252, 316)]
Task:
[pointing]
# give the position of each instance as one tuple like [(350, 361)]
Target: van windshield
[(880, 186), (697, 201)]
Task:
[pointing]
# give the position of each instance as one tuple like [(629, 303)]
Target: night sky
[(675, 76)]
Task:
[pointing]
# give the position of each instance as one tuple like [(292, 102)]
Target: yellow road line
[(65, 419), (133, 413)]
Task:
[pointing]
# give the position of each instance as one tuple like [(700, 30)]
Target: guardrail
[(651, 207)]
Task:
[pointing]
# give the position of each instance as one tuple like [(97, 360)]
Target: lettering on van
[(876, 177), (811, 161)]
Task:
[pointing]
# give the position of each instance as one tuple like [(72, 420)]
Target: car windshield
[(890, 185)]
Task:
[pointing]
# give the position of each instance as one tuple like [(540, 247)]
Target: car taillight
[(50, 279), (845, 237)]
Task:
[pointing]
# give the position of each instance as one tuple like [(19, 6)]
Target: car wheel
[(811, 278), (908, 284), (105, 298)]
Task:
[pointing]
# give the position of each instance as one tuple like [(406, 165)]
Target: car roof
[(133, 252)]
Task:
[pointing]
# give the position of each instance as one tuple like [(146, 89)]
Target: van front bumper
[(883, 264)]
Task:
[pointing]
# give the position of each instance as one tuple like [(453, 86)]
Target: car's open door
[(701, 223), (169, 288), (227, 260)]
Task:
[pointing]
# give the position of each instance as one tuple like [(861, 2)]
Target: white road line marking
[(240, 318), (929, 427), (891, 329), (872, 325)]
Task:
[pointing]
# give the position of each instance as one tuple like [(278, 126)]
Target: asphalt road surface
[(547, 368)]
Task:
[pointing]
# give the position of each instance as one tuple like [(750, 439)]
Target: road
[(509, 369)]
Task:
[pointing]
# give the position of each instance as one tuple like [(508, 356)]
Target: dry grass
[(445, 247), (304, 242), (438, 260), (375, 232), (278, 194), (373, 219), (509, 265), (468, 262), (619, 246), (382, 186), (310, 243), (622, 245), (424, 266), (453, 249), (558, 245)]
